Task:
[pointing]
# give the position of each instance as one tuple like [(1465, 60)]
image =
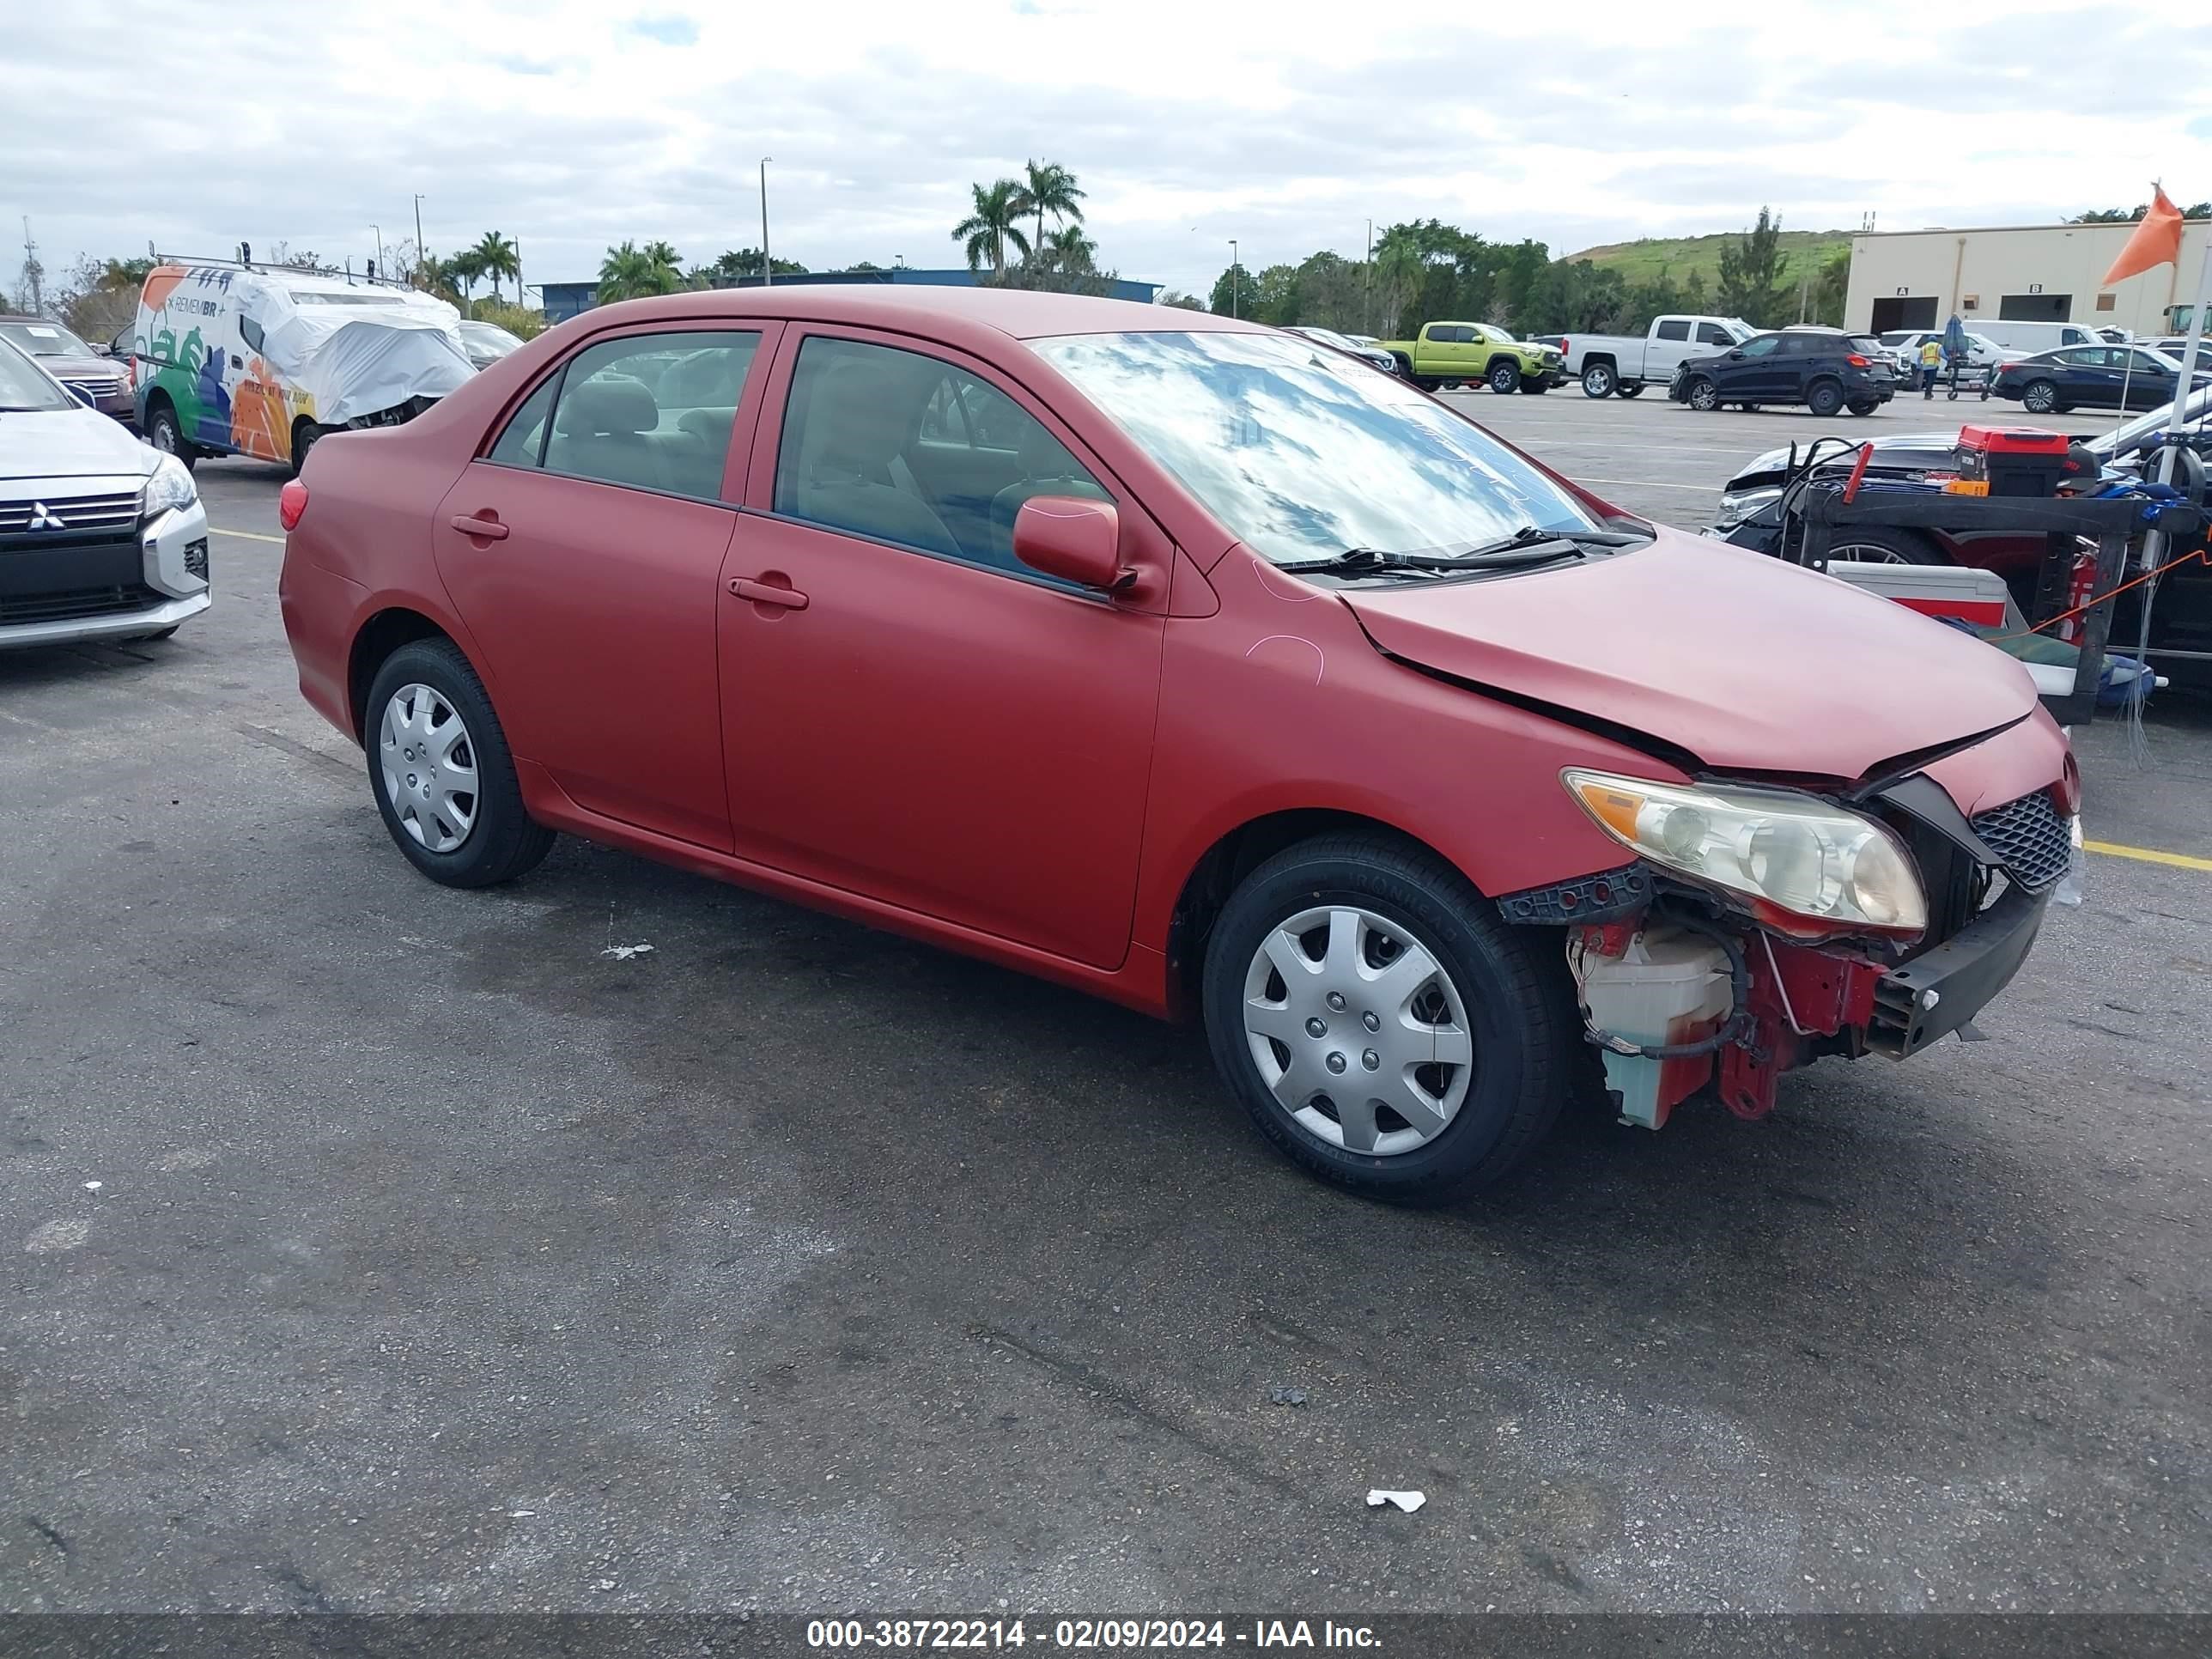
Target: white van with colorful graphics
[(245, 360)]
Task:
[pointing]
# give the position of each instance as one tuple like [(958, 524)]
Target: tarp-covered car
[(237, 360)]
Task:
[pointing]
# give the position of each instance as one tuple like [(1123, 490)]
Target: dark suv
[(1824, 368)]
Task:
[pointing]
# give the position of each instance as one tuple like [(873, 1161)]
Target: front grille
[(70, 514), (78, 605), (2030, 838)]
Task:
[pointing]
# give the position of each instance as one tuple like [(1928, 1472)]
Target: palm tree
[(988, 229), (625, 273), (1067, 251), (497, 257), (667, 268), (1048, 187), (465, 269)]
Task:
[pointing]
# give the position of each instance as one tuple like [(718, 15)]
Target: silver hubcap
[(429, 767), (1358, 1031), (2038, 400), (1702, 396)]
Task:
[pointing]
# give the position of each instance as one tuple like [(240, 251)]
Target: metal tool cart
[(2007, 476)]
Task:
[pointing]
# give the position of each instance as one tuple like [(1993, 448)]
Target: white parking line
[(1649, 483), (245, 535)]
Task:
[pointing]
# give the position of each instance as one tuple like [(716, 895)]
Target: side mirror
[(1071, 537), (1735, 356), (82, 397)]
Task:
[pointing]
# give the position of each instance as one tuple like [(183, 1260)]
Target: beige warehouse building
[(2013, 273)]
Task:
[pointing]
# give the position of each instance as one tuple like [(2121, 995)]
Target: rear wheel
[(441, 772), (1868, 405), (1382, 1025), (1600, 381), (304, 432), (1534, 385), (1631, 388), (1824, 397), (1703, 395), (1504, 376), (2041, 397), (1426, 382), (167, 435)]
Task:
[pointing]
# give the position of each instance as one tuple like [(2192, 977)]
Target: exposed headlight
[(171, 486), (1798, 854), (1738, 505)]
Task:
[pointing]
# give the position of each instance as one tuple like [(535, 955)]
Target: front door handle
[(483, 529), (788, 599)]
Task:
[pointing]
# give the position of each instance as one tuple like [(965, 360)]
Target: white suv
[(100, 537)]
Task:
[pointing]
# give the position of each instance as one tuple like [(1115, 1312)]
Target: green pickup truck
[(1445, 354)]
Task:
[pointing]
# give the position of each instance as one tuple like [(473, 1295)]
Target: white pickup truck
[(1626, 363)]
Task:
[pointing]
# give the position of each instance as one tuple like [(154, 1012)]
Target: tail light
[(291, 502), (1857, 361), (1564, 343)]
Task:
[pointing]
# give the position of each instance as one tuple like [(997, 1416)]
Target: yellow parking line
[(2112, 849), (244, 535)]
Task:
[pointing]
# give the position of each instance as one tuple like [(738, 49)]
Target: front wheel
[(441, 772), (1598, 380), (1866, 407), (1632, 389), (1703, 395), (1536, 386), (1382, 1025), (1504, 376), (1824, 397), (165, 434)]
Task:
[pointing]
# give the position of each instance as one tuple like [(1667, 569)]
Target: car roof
[(1019, 313)]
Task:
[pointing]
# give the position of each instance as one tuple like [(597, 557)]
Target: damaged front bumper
[(1922, 1001)]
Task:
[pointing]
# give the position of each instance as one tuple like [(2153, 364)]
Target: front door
[(910, 715), (584, 551), (1754, 372)]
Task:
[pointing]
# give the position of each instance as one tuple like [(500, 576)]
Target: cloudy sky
[(1287, 126)]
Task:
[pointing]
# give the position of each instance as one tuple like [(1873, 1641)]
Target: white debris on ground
[(624, 952), (1407, 1501)]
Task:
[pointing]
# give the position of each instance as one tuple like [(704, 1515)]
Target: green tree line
[(1427, 270)]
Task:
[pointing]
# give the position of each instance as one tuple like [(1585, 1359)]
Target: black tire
[(165, 433), (1598, 380), (1630, 389), (1865, 406), (1534, 385), (305, 435), (1824, 397), (2040, 398), (503, 842), (1503, 376), (1512, 982), (1427, 383), (1703, 395)]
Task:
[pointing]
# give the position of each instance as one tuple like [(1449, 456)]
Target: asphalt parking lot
[(370, 1246)]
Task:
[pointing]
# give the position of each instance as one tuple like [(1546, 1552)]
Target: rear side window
[(1674, 331), (651, 411)]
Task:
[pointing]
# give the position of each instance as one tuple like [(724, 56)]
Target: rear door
[(1669, 344), (584, 549)]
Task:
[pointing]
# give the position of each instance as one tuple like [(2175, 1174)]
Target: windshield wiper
[(1357, 559)]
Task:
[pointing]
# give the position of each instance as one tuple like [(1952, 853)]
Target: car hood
[(1893, 453), (68, 443), (79, 365), (1747, 664)]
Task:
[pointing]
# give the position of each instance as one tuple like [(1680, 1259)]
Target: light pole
[(379, 233), (422, 253), (768, 270), (1367, 283), (1232, 276)]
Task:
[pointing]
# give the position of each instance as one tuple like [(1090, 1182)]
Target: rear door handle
[(790, 599), (487, 530)]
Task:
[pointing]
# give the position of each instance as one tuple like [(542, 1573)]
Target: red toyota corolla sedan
[(1192, 664)]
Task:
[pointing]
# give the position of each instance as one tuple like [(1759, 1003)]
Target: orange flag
[(2157, 241)]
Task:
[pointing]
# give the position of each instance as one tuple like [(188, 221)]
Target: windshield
[(44, 340), (24, 386), (1301, 461), (1492, 331), (2170, 364)]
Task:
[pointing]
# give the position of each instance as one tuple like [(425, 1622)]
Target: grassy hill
[(1802, 251)]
